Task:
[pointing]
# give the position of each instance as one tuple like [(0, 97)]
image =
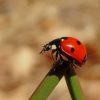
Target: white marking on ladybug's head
[(54, 47), (62, 40)]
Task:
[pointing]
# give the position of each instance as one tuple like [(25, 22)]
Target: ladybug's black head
[(46, 48)]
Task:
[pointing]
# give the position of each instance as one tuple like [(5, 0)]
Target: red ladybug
[(68, 47)]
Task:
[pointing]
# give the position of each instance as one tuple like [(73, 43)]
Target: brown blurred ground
[(26, 25)]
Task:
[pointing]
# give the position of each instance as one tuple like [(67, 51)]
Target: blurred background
[(26, 25)]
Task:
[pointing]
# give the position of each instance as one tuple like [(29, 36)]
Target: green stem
[(73, 85), (49, 82)]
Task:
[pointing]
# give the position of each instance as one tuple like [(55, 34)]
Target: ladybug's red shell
[(74, 48)]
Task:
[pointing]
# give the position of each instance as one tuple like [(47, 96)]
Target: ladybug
[(67, 47)]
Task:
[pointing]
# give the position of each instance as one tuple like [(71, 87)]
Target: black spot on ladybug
[(78, 42), (72, 50)]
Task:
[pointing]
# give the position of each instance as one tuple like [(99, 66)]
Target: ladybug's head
[(54, 44), (75, 49), (46, 48)]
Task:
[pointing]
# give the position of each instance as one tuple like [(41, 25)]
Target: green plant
[(52, 79)]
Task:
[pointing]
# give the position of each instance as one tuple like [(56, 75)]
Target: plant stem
[(73, 85), (49, 82)]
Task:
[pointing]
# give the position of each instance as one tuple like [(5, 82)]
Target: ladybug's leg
[(60, 55), (61, 58), (53, 51), (57, 55)]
